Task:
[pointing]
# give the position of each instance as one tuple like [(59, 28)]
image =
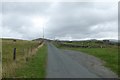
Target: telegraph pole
[(43, 33)]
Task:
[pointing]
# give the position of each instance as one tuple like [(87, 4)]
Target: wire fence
[(15, 54)]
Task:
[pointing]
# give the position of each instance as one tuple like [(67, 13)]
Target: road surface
[(74, 64), (60, 65)]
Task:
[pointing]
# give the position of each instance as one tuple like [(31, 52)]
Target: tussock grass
[(36, 67), (24, 50)]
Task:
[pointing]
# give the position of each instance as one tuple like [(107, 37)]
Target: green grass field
[(108, 54), (36, 67), (24, 51)]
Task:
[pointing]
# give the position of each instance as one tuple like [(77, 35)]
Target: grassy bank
[(24, 50), (35, 68), (109, 55)]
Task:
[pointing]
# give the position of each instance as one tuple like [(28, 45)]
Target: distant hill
[(13, 39), (114, 40), (40, 39), (9, 39)]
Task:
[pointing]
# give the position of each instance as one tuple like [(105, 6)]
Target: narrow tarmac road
[(62, 66)]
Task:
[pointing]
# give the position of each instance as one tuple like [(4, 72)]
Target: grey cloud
[(25, 8), (66, 18)]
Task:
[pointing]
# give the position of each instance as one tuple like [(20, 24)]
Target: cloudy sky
[(61, 20)]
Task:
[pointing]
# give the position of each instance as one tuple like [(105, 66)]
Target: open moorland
[(16, 61)]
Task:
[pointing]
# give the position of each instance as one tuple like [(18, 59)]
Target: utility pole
[(43, 33)]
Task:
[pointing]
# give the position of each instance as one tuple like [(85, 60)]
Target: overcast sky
[(61, 20)]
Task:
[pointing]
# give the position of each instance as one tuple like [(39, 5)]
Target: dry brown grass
[(25, 50)]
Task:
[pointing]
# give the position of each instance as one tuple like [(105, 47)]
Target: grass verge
[(35, 68), (24, 49)]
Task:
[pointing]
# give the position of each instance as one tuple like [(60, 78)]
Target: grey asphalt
[(60, 65)]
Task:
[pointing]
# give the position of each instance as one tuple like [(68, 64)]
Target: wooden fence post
[(14, 54), (14, 50)]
